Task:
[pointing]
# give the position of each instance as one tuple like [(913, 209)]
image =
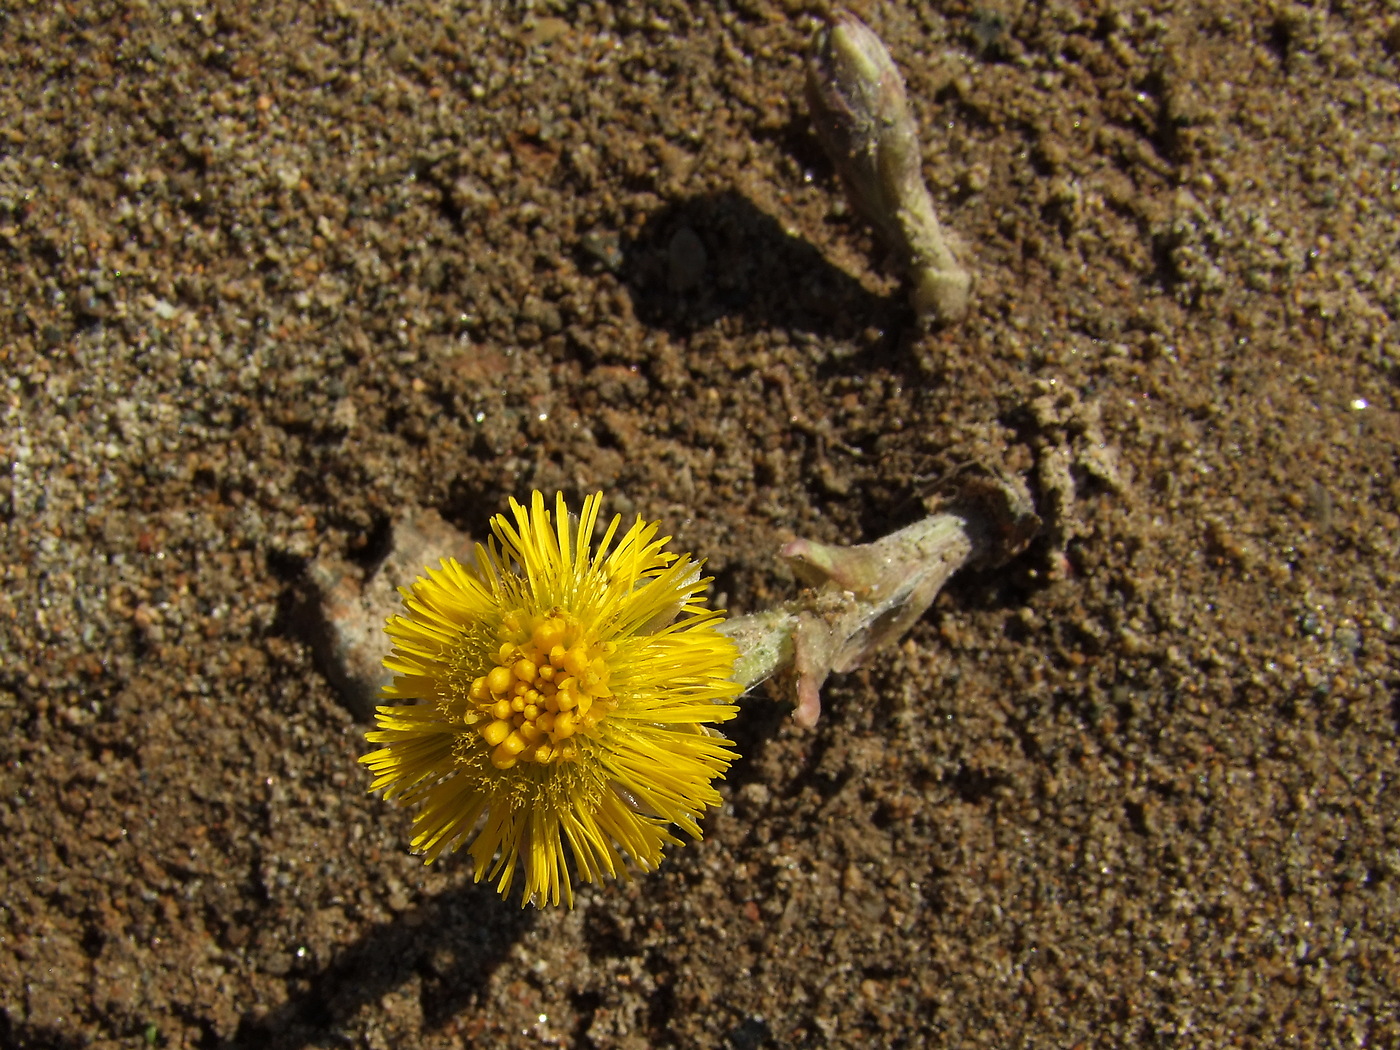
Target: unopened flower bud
[(862, 118)]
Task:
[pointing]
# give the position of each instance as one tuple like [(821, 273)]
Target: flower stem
[(860, 598)]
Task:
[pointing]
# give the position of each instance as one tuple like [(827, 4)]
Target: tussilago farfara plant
[(558, 695)]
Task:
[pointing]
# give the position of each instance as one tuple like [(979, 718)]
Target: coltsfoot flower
[(558, 694)]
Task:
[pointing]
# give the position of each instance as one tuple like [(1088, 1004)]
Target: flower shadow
[(451, 943), (718, 256), (24, 1036)]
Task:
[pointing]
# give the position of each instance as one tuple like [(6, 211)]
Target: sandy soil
[(270, 278)]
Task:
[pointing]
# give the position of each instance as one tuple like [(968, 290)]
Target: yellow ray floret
[(556, 694)]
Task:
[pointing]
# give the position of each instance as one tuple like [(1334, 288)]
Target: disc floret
[(543, 691)]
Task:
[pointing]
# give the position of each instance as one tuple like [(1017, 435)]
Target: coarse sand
[(276, 274)]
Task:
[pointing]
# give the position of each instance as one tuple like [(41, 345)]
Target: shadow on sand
[(452, 942), (718, 256)]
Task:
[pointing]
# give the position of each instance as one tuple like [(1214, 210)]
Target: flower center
[(543, 691)]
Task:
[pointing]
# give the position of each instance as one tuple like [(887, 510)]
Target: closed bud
[(861, 115)]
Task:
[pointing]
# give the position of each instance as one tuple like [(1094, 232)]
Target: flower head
[(562, 694)]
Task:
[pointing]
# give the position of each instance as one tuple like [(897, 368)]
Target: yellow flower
[(562, 695)]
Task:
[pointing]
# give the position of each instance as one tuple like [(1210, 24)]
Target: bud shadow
[(719, 256), (451, 943)]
